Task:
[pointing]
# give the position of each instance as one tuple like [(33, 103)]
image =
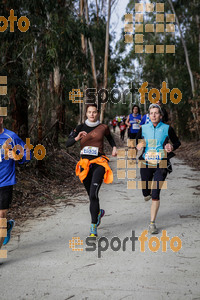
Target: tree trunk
[(19, 112), (106, 59), (14, 110), (188, 67), (91, 51), (185, 50), (81, 14), (97, 12), (198, 28), (177, 123), (39, 115), (58, 91), (83, 45)]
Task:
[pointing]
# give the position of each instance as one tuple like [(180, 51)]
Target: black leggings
[(122, 134), (147, 174), (92, 184)]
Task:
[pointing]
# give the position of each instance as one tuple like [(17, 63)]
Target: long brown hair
[(92, 104)]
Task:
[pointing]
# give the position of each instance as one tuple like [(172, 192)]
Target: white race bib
[(153, 157), (0, 156), (135, 126), (89, 150)]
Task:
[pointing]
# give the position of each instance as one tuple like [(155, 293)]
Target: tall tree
[(106, 58)]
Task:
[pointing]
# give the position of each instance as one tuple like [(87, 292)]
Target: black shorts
[(132, 136), (158, 175), (6, 196)]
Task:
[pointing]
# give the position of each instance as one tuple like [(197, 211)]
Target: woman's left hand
[(114, 151)]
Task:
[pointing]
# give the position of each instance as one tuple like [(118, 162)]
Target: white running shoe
[(152, 228), (147, 198)]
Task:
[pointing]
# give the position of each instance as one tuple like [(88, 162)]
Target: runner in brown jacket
[(93, 166)]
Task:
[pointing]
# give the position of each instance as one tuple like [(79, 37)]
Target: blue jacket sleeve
[(143, 120)]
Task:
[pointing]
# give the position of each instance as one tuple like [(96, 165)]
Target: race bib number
[(89, 150), (153, 157), (135, 126)]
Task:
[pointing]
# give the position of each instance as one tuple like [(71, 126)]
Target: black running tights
[(92, 184)]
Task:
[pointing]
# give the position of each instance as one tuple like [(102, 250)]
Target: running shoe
[(152, 228), (7, 238), (100, 215), (147, 198), (93, 230)]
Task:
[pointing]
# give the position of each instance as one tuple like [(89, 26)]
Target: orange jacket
[(84, 163)]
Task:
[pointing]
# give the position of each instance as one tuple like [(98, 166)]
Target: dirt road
[(40, 264)]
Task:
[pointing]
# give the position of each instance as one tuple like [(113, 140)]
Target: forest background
[(68, 46)]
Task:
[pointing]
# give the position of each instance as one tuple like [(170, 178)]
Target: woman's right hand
[(141, 145), (114, 151), (80, 135)]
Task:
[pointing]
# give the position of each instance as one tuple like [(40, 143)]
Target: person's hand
[(114, 151), (10, 154), (80, 135), (139, 146), (168, 148)]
